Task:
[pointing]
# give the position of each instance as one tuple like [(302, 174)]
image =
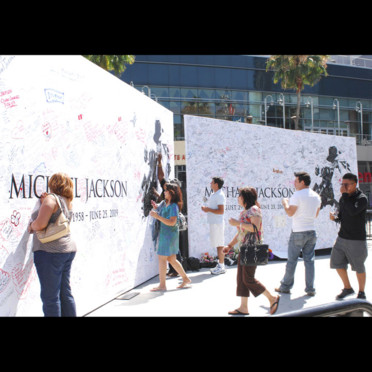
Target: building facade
[(238, 88)]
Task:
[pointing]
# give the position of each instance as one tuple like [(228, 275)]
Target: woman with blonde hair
[(53, 259), (169, 235)]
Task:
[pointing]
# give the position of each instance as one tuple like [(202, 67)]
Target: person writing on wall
[(53, 260), (215, 216)]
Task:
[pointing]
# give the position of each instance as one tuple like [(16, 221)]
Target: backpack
[(191, 263)]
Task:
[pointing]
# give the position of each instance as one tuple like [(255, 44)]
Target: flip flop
[(272, 312), (184, 285), (157, 290), (237, 312)]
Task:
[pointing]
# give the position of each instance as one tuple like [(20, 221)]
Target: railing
[(351, 60), (353, 307), (363, 139)]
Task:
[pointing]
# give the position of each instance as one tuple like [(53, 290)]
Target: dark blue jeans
[(53, 270)]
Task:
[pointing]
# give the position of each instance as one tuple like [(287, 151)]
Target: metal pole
[(360, 110), (337, 104), (266, 108), (310, 102), (281, 102)]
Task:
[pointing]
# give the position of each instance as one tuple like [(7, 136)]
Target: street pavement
[(215, 295)]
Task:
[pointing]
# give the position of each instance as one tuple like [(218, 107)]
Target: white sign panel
[(265, 158), (65, 114)]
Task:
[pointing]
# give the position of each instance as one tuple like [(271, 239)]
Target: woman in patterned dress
[(169, 235), (246, 282)]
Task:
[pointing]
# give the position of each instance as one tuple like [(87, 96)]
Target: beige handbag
[(55, 230)]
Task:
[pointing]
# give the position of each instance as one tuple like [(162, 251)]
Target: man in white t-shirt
[(215, 212), (303, 207)]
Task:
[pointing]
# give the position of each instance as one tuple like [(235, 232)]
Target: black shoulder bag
[(253, 252)]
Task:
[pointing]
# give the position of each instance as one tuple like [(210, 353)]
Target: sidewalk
[(213, 296)]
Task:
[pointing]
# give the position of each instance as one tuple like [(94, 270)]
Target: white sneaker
[(218, 270)]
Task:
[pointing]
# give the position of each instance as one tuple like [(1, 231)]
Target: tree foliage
[(296, 71), (115, 63)]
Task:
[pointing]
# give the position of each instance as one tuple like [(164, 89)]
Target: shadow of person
[(288, 304)]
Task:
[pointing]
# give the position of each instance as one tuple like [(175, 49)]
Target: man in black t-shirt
[(351, 245)]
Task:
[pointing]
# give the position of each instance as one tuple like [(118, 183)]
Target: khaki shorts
[(353, 252)]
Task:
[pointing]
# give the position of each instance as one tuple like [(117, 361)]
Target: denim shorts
[(353, 252)]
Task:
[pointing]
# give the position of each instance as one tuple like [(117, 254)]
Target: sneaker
[(311, 293), (218, 270), (345, 292), (362, 295)]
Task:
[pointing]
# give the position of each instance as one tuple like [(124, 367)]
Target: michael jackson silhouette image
[(150, 180), (325, 189)]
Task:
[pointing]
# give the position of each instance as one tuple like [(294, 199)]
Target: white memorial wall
[(65, 114), (266, 158)]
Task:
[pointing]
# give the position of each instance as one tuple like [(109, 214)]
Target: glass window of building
[(175, 107)]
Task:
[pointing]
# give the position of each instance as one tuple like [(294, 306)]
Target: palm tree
[(115, 63), (296, 71)]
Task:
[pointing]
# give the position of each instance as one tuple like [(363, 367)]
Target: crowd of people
[(303, 207), (53, 259)]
